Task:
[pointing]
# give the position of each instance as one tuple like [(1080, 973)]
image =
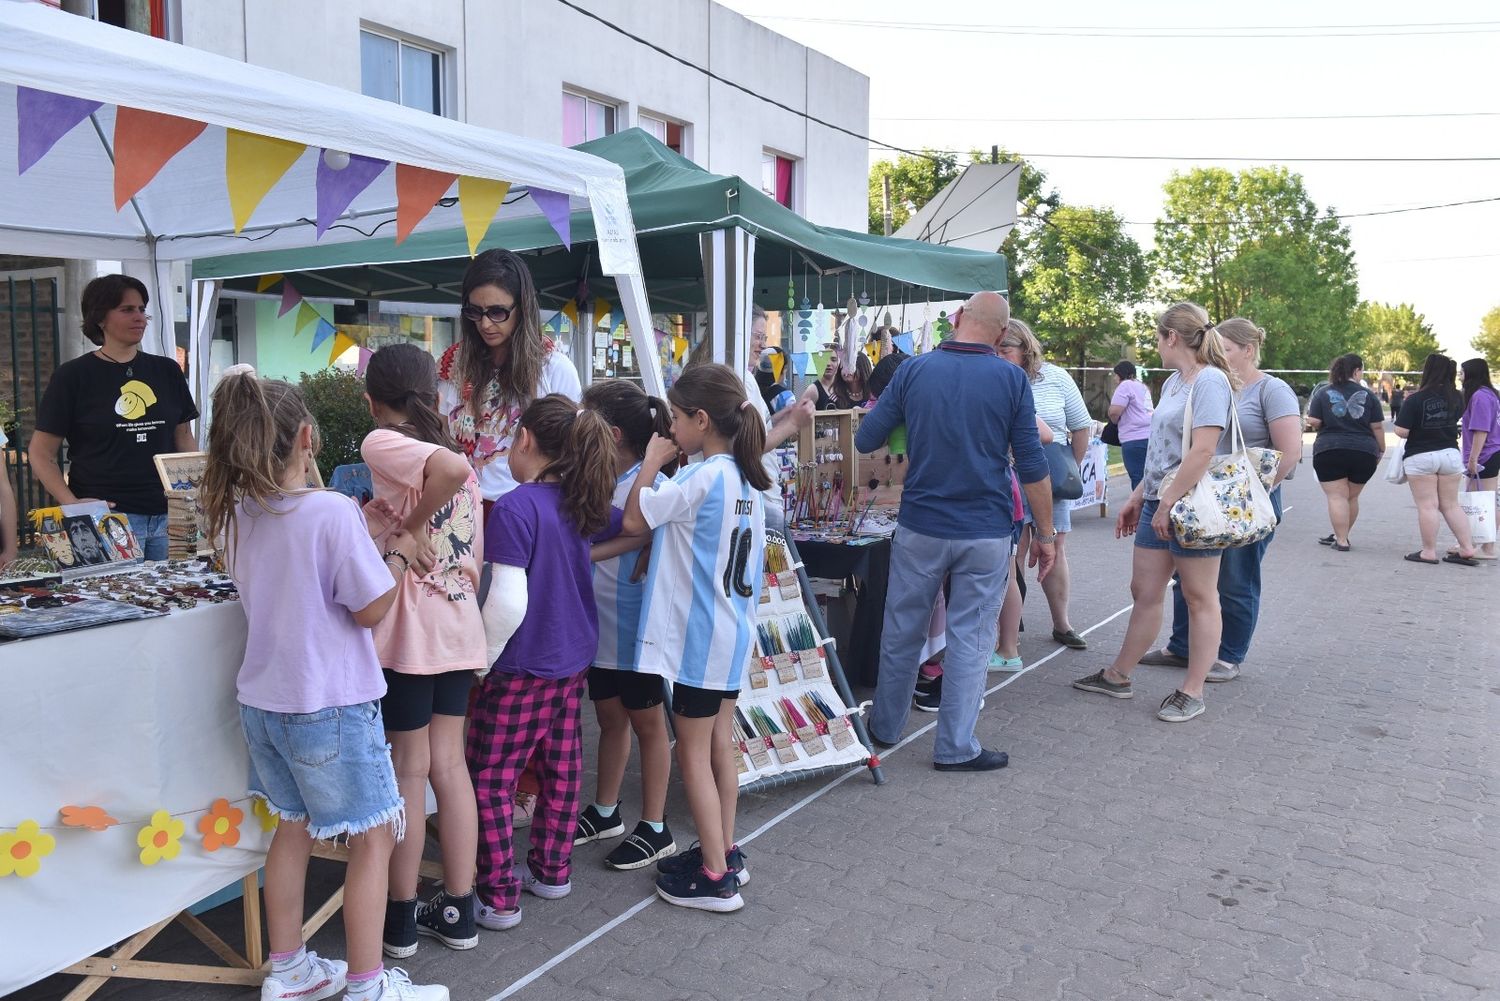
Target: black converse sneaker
[(449, 919), (696, 890), (643, 847), (594, 826), (400, 938)]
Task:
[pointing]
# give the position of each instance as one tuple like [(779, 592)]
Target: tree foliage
[(1392, 338), (914, 182), (1254, 244), (336, 399), (1487, 341)]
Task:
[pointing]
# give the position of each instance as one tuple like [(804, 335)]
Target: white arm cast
[(504, 608)]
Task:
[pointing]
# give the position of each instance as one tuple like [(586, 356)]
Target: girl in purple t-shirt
[(312, 584), (1481, 435), (541, 629)]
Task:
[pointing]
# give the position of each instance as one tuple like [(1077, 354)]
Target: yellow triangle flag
[(266, 281), (679, 348), (570, 310), (252, 166), (306, 317), (778, 362), (601, 312), (478, 201), (341, 343)]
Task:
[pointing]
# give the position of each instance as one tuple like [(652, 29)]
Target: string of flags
[(146, 141)]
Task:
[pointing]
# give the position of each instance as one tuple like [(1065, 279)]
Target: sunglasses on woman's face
[(495, 314)]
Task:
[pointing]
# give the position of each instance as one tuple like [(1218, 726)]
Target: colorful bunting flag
[(478, 201), (324, 331), (264, 282), (810, 365), (306, 315), (570, 310), (42, 118), (252, 166), (778, 363), (290, 297), (338, 188), (820, 361), (365, 355), (341, 343), (601, 313), (554, 205), (417, 191), (144, 142), (903, 341)]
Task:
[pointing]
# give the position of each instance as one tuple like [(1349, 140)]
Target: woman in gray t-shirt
[(1189, 344)]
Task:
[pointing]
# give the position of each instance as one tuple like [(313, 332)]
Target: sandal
[(1417, 557), (1463, 561), (1340, 549), (1326, 540)]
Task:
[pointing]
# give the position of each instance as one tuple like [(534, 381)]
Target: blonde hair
[(1244, 333), (1030, 347), (1190, 322)]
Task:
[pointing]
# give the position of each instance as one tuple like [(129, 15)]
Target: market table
[(869, 565), (133, 718)]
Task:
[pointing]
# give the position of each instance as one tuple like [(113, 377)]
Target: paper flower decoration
[(268, 820), (160, 839), (21, 853), (92, 818), (220, 826)]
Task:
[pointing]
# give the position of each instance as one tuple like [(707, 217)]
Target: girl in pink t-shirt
[(432, 641)]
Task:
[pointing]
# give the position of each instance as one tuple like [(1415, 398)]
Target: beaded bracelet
[(405, 563)]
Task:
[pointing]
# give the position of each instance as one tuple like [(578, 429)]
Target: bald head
[(984, 318)]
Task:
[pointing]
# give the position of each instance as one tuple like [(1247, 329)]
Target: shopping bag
[(1394, 472), (1479, 507), (1230, 505)]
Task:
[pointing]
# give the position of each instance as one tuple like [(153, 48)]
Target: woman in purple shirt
[(1130, 408), (1481, 437)]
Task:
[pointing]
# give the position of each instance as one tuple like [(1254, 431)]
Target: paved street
[(1327, 831)]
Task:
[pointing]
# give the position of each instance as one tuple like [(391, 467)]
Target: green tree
[(914, 182), (1392, 338), (1254, 244), (1487, 341)]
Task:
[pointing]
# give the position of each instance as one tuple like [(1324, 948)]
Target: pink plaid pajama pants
[(514, 717)]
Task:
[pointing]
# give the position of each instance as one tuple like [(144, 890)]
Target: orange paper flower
[(21, 853), (160, 839), (220, 826), (268, 820), (91, 817)]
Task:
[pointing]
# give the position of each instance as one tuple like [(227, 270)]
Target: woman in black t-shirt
[(118, 408), (1429, 422), (1350, 440)]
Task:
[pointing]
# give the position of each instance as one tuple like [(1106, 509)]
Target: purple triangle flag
[(322, 333), (554, 205), (289, 297), (364, 360), (42, 118), (337, 188)]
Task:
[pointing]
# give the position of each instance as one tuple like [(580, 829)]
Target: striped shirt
[(706, 570), (1058, 402), (619, 598)]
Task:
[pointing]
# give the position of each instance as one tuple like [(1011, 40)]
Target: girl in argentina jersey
[(697, 621)]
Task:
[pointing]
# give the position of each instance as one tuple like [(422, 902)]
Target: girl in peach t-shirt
[(432, 641)]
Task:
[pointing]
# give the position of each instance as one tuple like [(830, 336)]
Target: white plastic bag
[(1479, 506), (1395, 456)]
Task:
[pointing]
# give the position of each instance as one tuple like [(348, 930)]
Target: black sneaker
[(643, 847), (929, 695), (692, 860), (400, 938), (694, 889), (594, 826), (449, 919)]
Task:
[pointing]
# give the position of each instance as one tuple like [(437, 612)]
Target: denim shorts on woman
[(1443, 462), (1146, 537), (331, 768)]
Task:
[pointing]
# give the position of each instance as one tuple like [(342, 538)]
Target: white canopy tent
[(976, 210), (64, 206)]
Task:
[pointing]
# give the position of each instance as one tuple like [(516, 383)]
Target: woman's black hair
[(1476, 377), (1439, 373), (1125, 369), (404, 378), (716, 391), (1344, 367), (104, 294), (626, 406)]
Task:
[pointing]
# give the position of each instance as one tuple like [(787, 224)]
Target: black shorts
[(411, 700), (1345, 464), (699, 703), (635, 690), (1490, 469)]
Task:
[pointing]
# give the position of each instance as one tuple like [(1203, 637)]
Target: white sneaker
[(488, 917), (395, 985), (327, 979)]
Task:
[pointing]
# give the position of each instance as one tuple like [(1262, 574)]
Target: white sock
[(368, 987), (292, 967), (606, 811)]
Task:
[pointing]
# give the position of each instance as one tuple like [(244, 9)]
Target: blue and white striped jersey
[(617, 597)]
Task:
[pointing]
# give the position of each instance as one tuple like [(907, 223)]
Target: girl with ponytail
[(541, 631), (626, 698), (701, 594), (432, 642)]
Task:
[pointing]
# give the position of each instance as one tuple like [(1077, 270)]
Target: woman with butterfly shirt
[(1350, 427), (432, 641)]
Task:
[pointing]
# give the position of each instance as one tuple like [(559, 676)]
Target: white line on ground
[(805, 801)]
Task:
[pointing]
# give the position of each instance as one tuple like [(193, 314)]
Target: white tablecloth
[(135, 717)]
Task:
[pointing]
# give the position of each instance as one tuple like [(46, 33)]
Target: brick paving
[(1327, 831)]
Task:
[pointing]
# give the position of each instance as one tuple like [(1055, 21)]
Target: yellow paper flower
[(160, 839), (268, 820), (220, 826), (21, 853)]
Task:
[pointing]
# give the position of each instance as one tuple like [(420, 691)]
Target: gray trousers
[(977, 570)]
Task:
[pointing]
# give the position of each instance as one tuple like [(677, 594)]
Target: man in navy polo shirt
[(965, 410)]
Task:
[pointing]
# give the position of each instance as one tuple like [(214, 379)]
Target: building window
[(586, 118), (396, 70), (148, 17), (669, 134), (777, 176)]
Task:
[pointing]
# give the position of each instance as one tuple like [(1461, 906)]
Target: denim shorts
[(1443, 462), (1062, 514), (331, 768), (1146, 537)]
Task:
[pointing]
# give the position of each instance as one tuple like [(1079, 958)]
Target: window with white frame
[(778, 176), (586, 118), (394, 69), (670, 134)]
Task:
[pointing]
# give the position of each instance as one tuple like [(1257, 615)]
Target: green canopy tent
[(708, 243)]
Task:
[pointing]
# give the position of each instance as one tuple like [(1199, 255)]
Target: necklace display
[(129, 365)]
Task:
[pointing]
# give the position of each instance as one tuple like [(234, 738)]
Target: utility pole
[(885, 202), (994, 154)]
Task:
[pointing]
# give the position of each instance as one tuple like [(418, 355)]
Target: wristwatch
[(1046, 540)]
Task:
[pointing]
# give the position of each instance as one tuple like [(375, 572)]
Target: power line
[(1213, 159), (1335, 215), (1194, 118), (1128, 31)]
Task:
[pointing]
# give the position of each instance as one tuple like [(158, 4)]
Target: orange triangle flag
[(144, 142), (252, 166), (417, 191)]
